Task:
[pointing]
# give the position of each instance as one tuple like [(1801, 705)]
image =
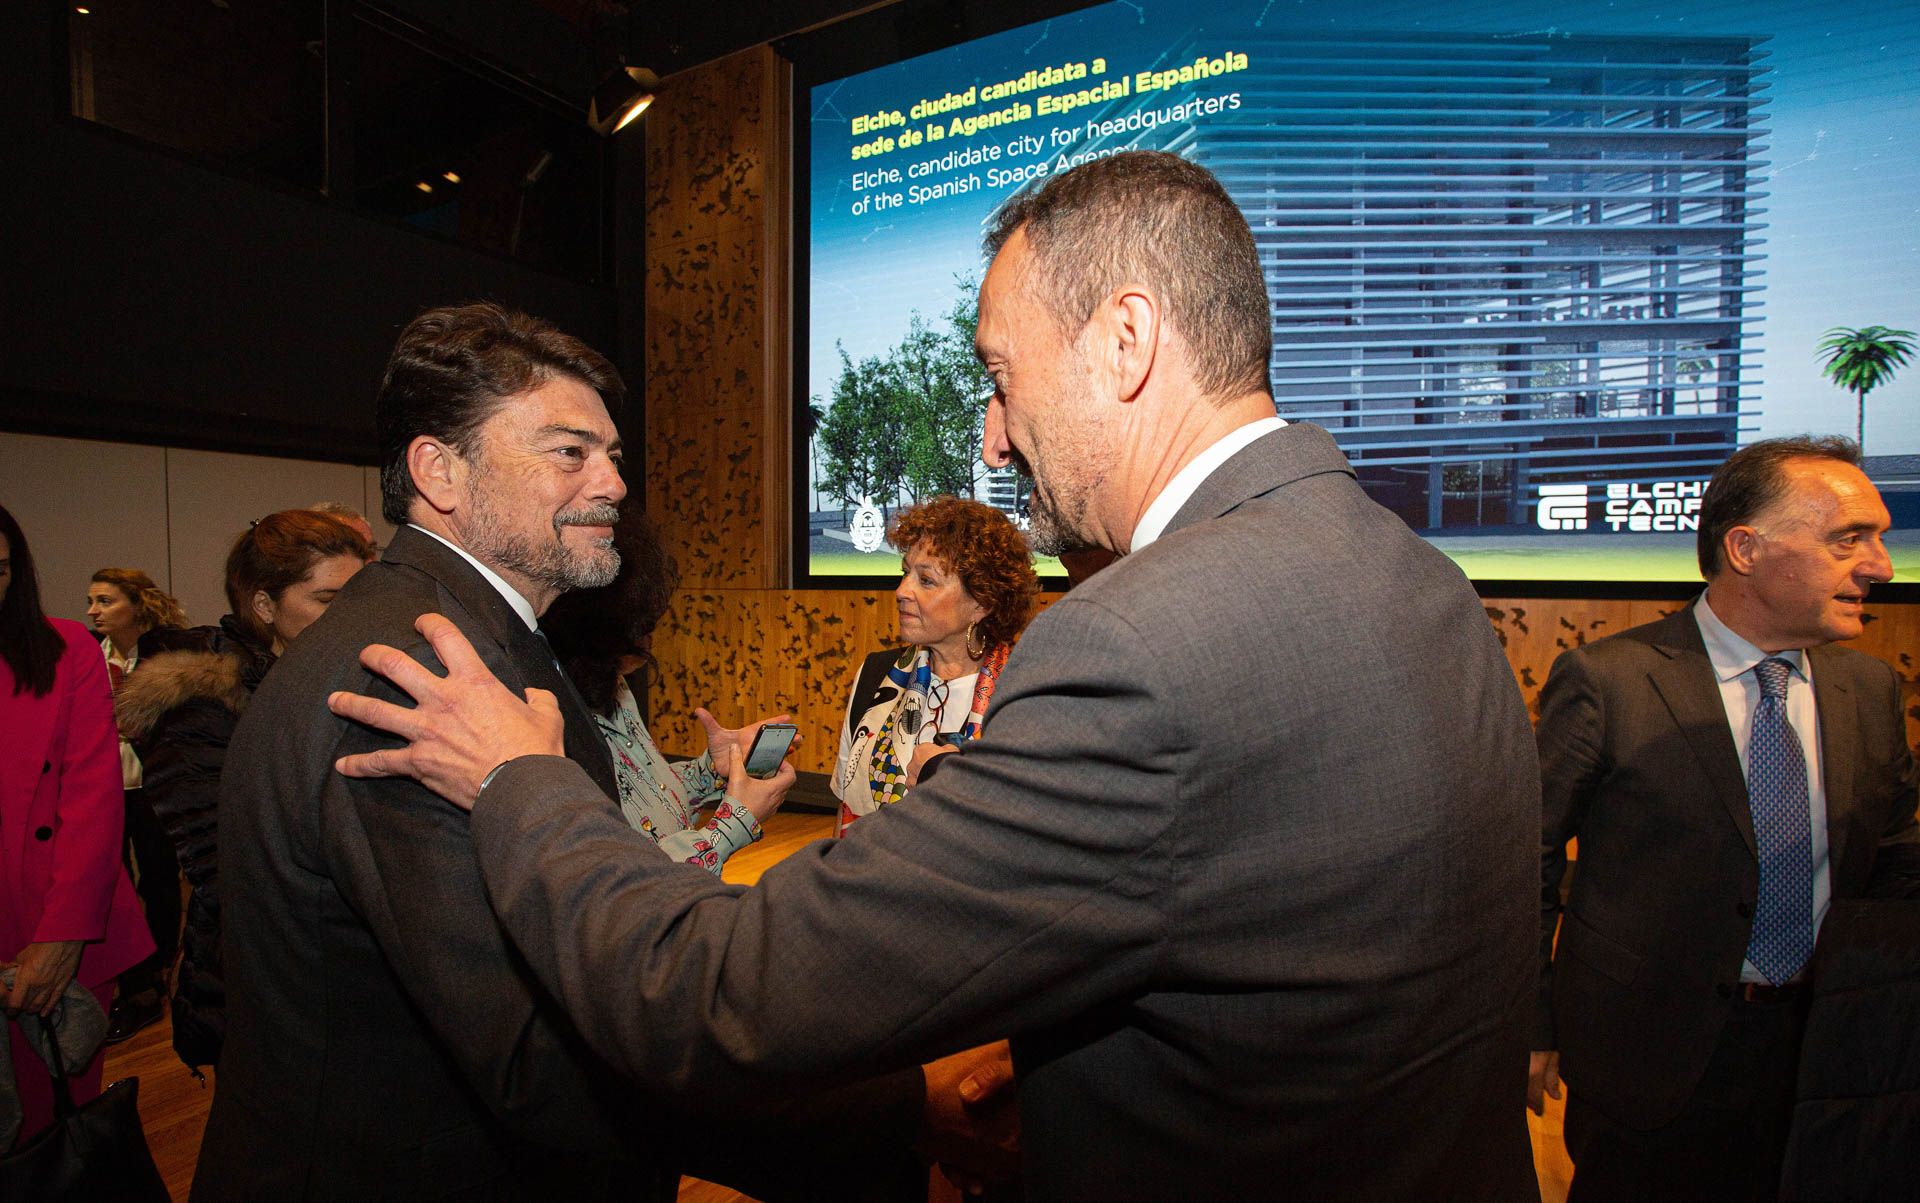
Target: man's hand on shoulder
[(462, 726)]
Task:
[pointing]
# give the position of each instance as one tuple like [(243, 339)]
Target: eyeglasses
[(911, 720)]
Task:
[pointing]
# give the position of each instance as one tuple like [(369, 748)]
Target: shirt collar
[(127, 662), (521, 605), (1188, 480), (1730, 652)]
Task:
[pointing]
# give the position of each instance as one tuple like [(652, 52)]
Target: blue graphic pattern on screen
[(1538, 268)]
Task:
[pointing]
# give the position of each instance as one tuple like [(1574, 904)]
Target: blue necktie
[(1777, 791)]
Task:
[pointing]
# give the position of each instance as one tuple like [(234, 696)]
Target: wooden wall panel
[(746, 653), (716, 416), (704, 488), (715, 369)]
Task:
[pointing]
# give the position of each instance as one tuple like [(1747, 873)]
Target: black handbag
[(96, 1153)]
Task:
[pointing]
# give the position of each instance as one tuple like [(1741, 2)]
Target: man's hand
[(762, 795), (972, 1120), (921, 755), (1543, 1079), (464, 725), (40, 976), (725, 744)]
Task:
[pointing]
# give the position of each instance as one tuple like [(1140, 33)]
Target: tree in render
[(1863, 360)]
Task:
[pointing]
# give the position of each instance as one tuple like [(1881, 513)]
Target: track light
[(621, 97)]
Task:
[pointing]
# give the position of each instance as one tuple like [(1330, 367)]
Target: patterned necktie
[(1777, 791)]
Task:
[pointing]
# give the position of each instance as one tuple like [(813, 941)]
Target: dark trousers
[(156, 874), (1729, 1140)]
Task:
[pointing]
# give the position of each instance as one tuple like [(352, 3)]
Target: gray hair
[(1152, 218)]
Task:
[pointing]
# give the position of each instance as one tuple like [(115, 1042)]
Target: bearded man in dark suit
[(1243, 864), (1728, 774), (385, 1040)]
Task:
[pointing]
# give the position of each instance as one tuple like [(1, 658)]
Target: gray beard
[(548, 563), (1051, 531)]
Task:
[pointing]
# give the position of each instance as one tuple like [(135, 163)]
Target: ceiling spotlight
[(621, 97), (423, 186), (451, 177)]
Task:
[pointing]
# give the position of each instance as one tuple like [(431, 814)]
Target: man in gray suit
[(1243, 864), (1727, 774)]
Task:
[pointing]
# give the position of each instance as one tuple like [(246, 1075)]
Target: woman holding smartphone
[(600, 636), (967, 591)]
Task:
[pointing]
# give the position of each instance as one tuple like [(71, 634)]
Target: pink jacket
[(61, 817)]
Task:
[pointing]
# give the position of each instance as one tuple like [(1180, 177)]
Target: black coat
[(383, 1040), (1856, 1125), (180, 709)]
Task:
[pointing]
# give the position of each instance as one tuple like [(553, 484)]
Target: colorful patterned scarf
[(903, 720)]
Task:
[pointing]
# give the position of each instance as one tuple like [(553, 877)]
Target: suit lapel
[(1686, 682), (585, 745), (1839, 739), (497, 620)]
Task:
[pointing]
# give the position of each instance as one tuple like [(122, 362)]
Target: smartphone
[(770, 748)]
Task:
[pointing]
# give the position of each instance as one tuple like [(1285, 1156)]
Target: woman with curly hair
[(124, 604), (967, 591), (126, 607)]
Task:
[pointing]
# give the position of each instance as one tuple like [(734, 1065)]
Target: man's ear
[(1739, 548), (1129, 343), (439, 473)]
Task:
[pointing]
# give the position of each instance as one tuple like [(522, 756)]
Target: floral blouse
[(659, 798)]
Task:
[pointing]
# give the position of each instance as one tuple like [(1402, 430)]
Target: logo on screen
[(1562, 507), (1637, 507), (868, 528), (1656, 506)]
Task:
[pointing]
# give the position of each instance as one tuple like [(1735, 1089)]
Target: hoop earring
[(975, 652)]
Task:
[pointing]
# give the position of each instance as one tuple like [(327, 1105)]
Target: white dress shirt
[(1188, 480), (1733, 663), (521, 605)]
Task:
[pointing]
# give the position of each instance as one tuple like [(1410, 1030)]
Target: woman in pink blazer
[(67, 910)]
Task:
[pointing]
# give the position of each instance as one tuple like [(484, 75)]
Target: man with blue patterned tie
[(1727, 774)]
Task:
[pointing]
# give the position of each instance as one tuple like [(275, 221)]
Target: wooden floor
[(173, 1106)]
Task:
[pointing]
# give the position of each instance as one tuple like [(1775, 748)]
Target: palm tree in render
[(1863, 360)]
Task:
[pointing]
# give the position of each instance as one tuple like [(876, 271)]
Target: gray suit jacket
[(1242, 864), (384, 1040), (1638, 762)]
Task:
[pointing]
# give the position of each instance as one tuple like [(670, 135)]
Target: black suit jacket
[(1242, 863), (1637, 761), (384, 1039)]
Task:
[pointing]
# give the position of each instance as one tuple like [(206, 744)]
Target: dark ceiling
[(680, 35), (562, 46)]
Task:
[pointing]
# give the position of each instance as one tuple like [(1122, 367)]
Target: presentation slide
[(1538, 267)]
